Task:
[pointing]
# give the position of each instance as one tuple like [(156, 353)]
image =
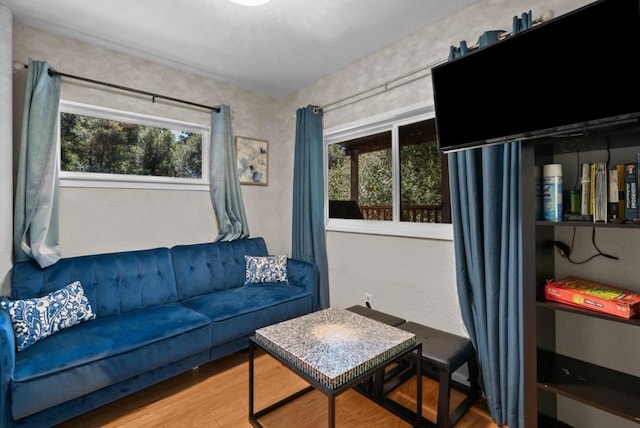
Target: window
[(360, 178), (387, 177), (100, 146)]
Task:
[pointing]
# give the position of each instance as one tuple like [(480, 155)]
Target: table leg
[(377, 382), (332, 411), (419, 385), (251, 391)]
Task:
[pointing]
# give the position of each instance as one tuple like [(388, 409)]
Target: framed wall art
[(253, 157)]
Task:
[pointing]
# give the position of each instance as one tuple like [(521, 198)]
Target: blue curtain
[(35, 234), (486, 213), (226, 194), (308, 234)]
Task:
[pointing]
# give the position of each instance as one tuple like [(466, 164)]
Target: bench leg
[(444, 394), (472, 366), (473, 392)]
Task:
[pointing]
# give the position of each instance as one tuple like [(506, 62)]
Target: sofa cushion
[(113, 282), (203, 268), (40, 317), (265, 269), (237, 312), (105, 351)]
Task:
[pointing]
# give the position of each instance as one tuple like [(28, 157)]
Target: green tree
[(156, 156), (91, 144), (420, 171), (187, 155), (339, 188), (375, 178)]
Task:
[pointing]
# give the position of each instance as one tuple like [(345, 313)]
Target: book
[(631, 191), (620, 169), (593, 295), (592, 188), (600, 193), (614, 195), (585, 187)]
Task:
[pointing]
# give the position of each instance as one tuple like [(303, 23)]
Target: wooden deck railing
[(410, 213)]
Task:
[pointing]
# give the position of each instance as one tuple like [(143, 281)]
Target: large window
[(388, 177), (111, 146)]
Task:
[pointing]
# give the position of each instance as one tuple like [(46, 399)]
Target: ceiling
[(273, 49)]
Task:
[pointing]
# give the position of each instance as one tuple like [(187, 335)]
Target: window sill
[(125, 182), (411, 230)]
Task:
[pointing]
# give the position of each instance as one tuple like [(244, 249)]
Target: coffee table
[(335, 350)]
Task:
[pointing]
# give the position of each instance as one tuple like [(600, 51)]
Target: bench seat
[(443, 354), (377, 315)]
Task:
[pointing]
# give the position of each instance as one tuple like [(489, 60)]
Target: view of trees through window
[(98, 145), (361, 182), (372, 159)]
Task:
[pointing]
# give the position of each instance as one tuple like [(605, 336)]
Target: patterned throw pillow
[(40, 317), (265, 269)]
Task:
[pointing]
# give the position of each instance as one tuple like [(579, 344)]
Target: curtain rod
[(385, 86), (124, 88)]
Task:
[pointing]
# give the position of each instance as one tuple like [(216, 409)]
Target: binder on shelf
[(620, 170), (600, 193), (592, 188), (614, 214), (631, 191), (585, 183)]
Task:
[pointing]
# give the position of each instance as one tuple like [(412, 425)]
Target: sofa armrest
[(7, 364), (304, 274)]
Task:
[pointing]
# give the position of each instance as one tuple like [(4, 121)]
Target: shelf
[(608, 390), (592, 138), (588, 224), (582, 383), (585, 312)]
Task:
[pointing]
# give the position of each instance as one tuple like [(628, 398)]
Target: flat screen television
[(574, 71)]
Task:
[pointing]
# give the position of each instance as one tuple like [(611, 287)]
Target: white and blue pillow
[(265, 269), (40, 317)]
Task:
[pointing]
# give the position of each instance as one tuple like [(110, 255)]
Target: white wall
[(105, 220), (412, 278), (6, 147), (102, 220)]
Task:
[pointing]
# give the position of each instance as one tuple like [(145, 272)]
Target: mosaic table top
[(334, 346)]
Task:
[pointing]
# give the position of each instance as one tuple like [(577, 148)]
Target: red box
[(595, 296)]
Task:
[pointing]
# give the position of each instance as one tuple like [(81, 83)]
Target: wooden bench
[(442, 355), (377, 315)]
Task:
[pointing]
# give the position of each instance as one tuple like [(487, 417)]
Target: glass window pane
[(98, 145), (360, 178), (420, 174)]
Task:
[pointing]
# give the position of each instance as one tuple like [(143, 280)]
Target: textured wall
[(414, 278), (6, 186), (103, 220)]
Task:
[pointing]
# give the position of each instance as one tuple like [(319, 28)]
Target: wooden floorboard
[(216, 396)]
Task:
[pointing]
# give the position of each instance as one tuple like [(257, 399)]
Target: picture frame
[(252, 157)]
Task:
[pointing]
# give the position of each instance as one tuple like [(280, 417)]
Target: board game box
[(594, 295)]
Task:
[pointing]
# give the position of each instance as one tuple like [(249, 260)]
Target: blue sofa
[(159, 312)]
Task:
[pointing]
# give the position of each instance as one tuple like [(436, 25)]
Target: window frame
[(389, 121), (125, 181)]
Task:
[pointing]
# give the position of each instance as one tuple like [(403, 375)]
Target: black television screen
[(579, 69)]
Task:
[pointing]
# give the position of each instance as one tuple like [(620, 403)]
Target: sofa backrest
[(202, 268), (113, 283)]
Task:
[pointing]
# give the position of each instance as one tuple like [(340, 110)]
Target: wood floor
[(216, 396)]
